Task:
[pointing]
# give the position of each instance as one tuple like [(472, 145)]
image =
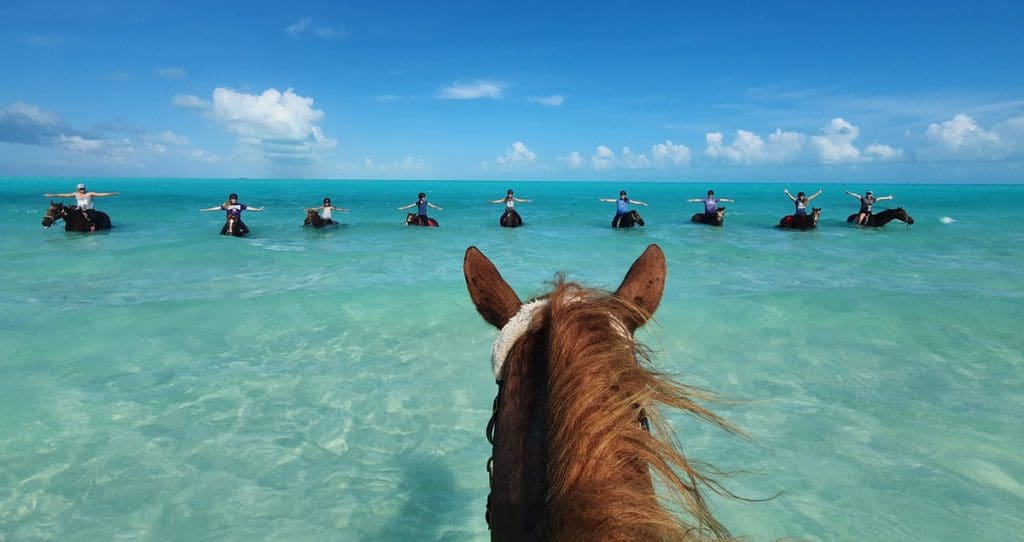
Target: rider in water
[(83, 199), (421, 205), (801, 201), (710, 204), (866, 201), (325, 210), (510, 202), (234, 209), (621, 206)]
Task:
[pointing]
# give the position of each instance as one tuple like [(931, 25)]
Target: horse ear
[(494, 298), (644, 283)]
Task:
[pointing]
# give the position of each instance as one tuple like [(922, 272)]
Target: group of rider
[(84, 200)]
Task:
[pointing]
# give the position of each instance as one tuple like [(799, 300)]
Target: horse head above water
[(412, 219), (76, 219), (314, 219), (573, 445), (877, 220), (804, 222), (717, 220)]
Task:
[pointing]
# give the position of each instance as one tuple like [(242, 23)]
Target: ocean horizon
[(160, 381)]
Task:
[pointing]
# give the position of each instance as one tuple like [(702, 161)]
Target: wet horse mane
[(584, 461)]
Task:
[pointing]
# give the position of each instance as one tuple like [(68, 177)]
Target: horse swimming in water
[(805, 222), (76, 219), (576, 431), (877, 220), (412, 219), (510, 219), (627, 220), (717, 219), (314, 219)]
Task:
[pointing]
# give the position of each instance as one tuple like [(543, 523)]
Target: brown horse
[(877, 220), (412, 219), (314, 219), (234, 227), (76, 219), (510, 219), (573, 449), (805, 222), (716, 219), (627, 220)]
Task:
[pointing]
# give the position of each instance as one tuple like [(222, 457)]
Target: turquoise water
[(163, 382)]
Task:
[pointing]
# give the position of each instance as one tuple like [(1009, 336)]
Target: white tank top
[(326, 213), (84, 202)]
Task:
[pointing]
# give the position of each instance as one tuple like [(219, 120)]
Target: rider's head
[(327, 201)]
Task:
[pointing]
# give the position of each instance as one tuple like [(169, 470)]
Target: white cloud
[(305, 24), (188, 101), (882, 153), (277, 126), (473, 91), (836, 145), (669, 154), (171, 73), (962, 138), (574, 160), (517, 154), (166, 137), (603, 158), (80, 144), (555, 100), (634, 161)]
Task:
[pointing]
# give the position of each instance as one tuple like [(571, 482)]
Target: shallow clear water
[(163, 382)]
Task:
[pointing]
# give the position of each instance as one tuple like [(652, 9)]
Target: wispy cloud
[(189, 101), (555, 100), (473, 91), (305, 26), (170, 73)]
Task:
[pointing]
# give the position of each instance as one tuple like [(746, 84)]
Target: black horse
[(627, 220), (877, 220), (76, 219), (511, 219), (234, 226), (314, 219), (412, 219), (716, 219), (805, 222)]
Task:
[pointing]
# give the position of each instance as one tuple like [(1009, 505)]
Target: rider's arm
[(496, 200), (698, 200), (406, 206), (852, 195), (434, 206), (788, 195), (103, 194), (609, 200), (727, 200), (816, 194), (247, 208), (71, 195), (217, 208), (523, 200), (638, 202), (883, 197)]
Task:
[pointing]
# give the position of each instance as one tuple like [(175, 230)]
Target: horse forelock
[(598, 457)]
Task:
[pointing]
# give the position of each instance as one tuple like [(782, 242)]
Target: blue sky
[(684, 91)]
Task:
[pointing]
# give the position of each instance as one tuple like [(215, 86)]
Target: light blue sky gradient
[(684, 91)]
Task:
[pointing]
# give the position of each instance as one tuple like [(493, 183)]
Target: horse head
[(573, 452), (54, 213), (903, 216), (815, 215), (720, 215), (311, 218), (411, 219), (636, 217)]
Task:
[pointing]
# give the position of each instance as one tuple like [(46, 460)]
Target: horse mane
[(599, 456)]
